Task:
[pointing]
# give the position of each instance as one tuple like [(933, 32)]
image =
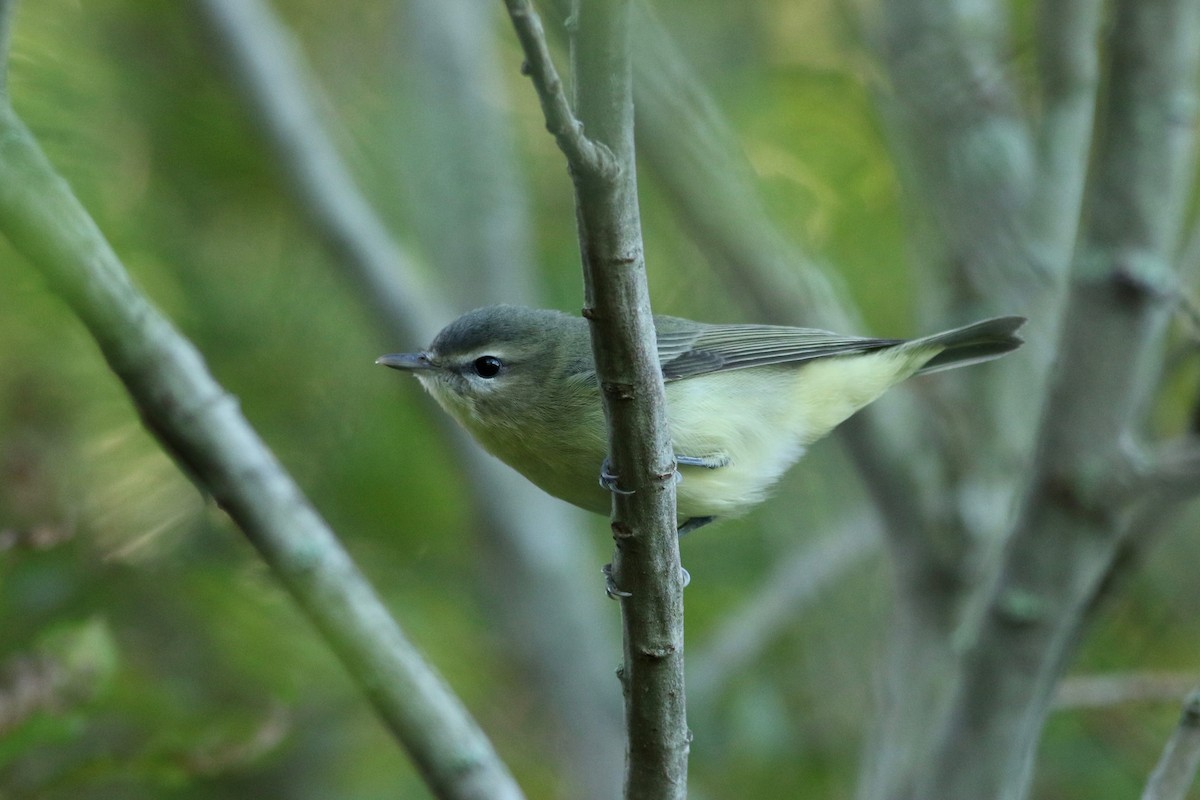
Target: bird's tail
[(970, 344)]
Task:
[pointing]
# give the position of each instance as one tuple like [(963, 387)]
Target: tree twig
[(1176, 768), (646, 566), (1102, 691), (200, 424), (582, 151)]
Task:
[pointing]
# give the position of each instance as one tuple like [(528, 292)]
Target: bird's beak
[(406, 361)]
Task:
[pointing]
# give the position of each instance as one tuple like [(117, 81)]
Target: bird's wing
[(685, 351)]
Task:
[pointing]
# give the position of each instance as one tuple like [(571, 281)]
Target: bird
[(744, 401)]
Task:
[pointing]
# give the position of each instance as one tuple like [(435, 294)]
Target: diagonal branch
[(200, 424), (798, 579), (1176, 768)]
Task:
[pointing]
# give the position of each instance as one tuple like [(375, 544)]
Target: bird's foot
[(610, 585), (608, 479), (615, 593), (708, 462)]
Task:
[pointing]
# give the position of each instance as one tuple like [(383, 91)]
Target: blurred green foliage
[(199, 677)]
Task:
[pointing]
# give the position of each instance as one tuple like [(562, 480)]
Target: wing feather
[(685, 350)]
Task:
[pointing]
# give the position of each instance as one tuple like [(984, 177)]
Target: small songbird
[(744, 401)]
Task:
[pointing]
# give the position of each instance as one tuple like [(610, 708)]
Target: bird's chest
[(558, 446)]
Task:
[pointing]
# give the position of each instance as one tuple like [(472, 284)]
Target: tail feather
[(971, 344)]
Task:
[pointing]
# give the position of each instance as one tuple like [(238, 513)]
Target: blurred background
[(145, 650)]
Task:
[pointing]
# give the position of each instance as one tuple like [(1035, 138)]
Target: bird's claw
[(615, 593), (610, 586), (707, 462), (608, 479)]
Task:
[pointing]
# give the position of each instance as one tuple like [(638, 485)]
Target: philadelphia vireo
[(744, 401)]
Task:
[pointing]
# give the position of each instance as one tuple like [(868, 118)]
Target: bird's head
[(496, 365)]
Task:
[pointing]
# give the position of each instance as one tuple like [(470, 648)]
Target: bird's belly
[(743, 421)]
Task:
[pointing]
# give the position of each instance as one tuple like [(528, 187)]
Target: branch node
[(619, 391), (658, 653)]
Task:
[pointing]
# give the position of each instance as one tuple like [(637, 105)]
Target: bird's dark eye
[(487, 366)]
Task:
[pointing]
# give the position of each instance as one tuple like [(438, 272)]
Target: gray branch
[(646, 564), (1071, 528), (1104, 691), (582, 152), (1176, 769), (1068, 60), (200, 424)]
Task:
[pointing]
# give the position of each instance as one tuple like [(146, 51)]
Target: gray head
[(494, 359)]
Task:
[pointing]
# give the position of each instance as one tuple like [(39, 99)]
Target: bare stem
[(200, 424), (1176, 769), (646, 564), (581, 151)]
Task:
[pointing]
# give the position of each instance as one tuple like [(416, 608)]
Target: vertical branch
[(646, 562), (469, 203), (1068, 64), (646, 568), (1073, 522)]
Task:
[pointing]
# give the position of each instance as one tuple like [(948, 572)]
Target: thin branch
[(646, 566), (581, 151), (200, 424), (1103, 691), (1176, 768), (467, 201)]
